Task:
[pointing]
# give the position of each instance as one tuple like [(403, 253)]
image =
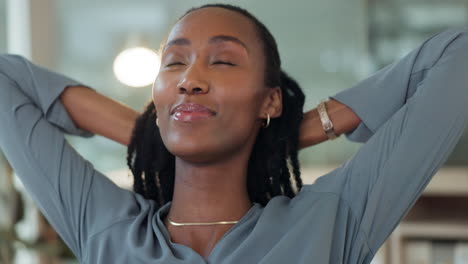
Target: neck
[(209, 193)]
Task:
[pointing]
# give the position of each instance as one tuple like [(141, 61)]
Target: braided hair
[(273, 166)]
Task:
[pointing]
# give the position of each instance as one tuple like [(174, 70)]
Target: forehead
[(202, 24)]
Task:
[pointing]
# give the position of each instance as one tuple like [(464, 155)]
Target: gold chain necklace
[(202, 224)]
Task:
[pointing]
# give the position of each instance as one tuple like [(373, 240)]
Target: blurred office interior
[(327, 45)]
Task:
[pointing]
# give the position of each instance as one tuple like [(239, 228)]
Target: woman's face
[(210, 95)]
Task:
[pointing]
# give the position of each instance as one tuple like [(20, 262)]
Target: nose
[(193, 82)]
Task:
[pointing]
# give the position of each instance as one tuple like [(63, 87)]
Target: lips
[(189, 112)]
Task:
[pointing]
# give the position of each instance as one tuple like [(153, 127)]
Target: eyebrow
[(213, 40)]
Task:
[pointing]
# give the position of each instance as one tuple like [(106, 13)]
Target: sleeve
[(413, 113), (380, 96), (76, 199)]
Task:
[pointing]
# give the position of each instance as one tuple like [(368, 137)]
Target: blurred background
[(327, 45)]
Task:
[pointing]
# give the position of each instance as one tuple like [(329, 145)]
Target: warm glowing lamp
[(137, 67)]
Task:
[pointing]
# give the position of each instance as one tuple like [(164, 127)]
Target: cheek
[(159, 88), (242, 96), (240, 110), (162, 96)]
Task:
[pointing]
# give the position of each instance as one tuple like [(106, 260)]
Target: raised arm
[(413, 112), (99, 114), (78, 200), (361, 110)]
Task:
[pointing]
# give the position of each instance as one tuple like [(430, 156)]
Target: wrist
[(311, 131), (325, 120)]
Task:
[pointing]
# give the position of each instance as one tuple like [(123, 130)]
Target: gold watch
[(326, 122)]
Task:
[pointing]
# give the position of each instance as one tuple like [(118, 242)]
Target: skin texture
[(212, 154)]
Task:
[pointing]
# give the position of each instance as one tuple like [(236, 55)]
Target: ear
[(273, 103)]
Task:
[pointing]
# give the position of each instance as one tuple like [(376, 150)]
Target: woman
[(211, 169)]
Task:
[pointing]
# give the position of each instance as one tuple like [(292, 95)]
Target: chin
[(194, 151), (203, 147)]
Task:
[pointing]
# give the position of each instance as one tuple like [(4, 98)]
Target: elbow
[(9, 64), (449, 64)]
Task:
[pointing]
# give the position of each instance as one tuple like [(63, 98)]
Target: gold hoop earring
[(157, 123), (267, 123)]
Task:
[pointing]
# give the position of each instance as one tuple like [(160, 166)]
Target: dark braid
[(274, 152)]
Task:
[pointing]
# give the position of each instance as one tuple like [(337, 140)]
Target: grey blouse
[(413, 113)]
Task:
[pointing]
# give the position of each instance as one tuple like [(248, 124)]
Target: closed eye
[(224, 62), (174, 63)]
